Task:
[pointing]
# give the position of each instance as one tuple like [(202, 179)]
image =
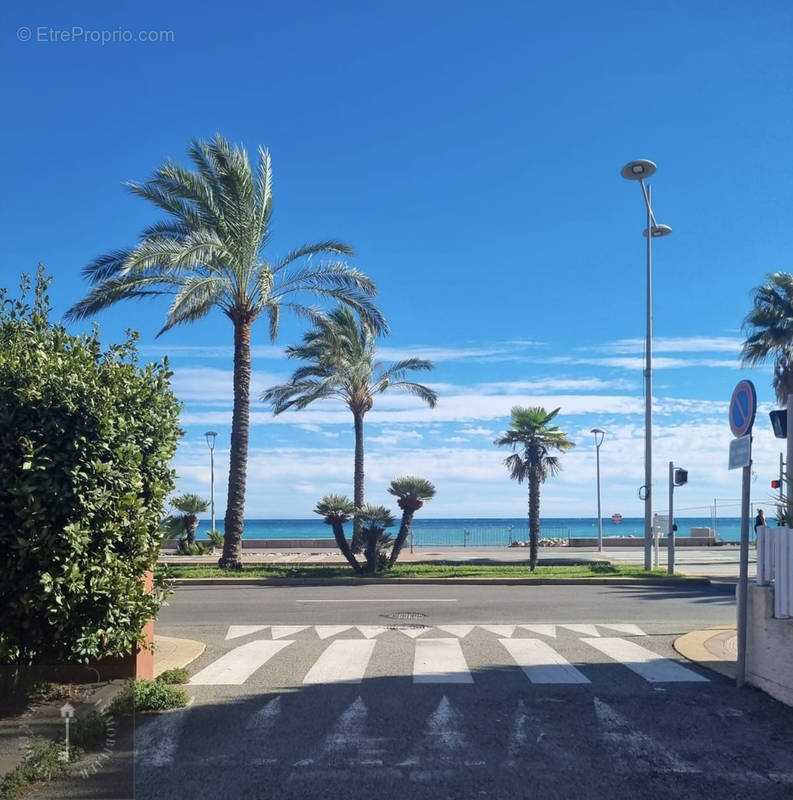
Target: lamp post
[(210, 437), (599, 434), (638, 171)]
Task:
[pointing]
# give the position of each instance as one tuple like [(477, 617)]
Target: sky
[(471, 155)]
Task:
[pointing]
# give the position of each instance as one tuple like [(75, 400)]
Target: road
[(417, 691)]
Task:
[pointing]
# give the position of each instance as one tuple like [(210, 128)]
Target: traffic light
[(681, 477), (779, 423), (776, 484)]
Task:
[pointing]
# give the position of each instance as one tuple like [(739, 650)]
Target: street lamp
[(210, 437), (638, 171), (599, 434)]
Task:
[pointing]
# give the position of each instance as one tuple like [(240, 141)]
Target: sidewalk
[(714, 648)]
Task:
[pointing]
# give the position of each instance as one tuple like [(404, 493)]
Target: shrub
[(86, 440), (89, 730), (176, 675), (146, 695), (43, 762)]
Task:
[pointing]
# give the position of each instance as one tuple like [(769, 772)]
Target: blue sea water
[(481, 531)]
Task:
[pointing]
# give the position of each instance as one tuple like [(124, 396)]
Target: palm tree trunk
[(534, 519), (370, 552), (238, 454), (191, 523), (344, 546), (358, 478), (404, 530)]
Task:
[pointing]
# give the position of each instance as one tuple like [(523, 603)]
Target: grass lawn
[(423, 571)]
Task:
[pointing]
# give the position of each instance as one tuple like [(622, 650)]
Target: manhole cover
[(404, 615)]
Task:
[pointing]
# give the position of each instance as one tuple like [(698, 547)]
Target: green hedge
[(86, 440)]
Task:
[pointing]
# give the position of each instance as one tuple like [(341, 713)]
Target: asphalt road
[(694, 606), (457, 692)]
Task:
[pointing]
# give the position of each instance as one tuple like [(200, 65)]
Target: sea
[(483, 532)]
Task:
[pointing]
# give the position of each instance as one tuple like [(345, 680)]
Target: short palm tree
[(769, 328), (208, 253), (374, 520), (532, 438), (340, 350), (189, 506), (336, 510), (411, 493)]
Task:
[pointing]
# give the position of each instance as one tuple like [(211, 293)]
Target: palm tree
[(769, 326), (375, 519), (411, 493), (337, 509), (340, 350), (531, 432), (190, 505), (208, 254)]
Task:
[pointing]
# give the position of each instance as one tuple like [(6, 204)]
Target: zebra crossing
[(546, 654)]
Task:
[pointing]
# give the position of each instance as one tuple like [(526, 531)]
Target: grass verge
[(423, 571)]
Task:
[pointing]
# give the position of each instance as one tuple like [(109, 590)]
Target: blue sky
[(471, 156)]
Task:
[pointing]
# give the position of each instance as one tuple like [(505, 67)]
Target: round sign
[(616, 518), (743, 407)]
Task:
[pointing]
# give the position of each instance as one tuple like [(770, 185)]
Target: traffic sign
[(743, 407)]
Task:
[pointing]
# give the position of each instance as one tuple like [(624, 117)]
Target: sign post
[(743, 407)]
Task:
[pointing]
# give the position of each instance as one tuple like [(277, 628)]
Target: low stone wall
[(270, 544), (638, 541), (769, 646)]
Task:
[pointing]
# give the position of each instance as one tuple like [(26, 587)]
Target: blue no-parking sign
[(743, 407)]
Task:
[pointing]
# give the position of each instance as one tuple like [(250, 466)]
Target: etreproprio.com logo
[(77, 34)]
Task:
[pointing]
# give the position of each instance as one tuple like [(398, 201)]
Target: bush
[(86, 440), (176, 675), (146, 695), (43, 763), (89, 731), (216, 537)]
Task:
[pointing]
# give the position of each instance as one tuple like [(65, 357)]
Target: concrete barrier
[(769, 646), (638, 541), (269, 544)]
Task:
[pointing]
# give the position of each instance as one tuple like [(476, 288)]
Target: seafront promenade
[(718, 563)]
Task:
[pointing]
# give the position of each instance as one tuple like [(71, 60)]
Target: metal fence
[(481, 537)]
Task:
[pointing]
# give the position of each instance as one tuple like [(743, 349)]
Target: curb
[(693, 646), (441, 581)]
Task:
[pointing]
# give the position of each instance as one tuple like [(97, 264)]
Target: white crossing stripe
[(348, 739), (236, 666), (235, 631), (326, 631), (633, 750), (587, 630), (370, 631), (651, 666), (157, 739), (541, 663), (343, 661), (500, 630), (279, 631), (543, 630), (412, 632), (629, 630), (460, 631), (263, 719), (440, 661)]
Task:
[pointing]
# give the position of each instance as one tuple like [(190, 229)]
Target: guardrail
[(775, 565)]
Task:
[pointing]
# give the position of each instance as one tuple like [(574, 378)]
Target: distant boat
[(616, 518)]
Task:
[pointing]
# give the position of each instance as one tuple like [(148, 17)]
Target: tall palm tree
[(411, 493), (340, 350), (208, 254), (532, 434), (769, 326), (337, 509)]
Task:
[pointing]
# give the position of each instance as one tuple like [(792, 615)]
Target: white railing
[(775, 565)]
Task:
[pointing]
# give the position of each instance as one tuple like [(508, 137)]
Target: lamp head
[(638, 170), (657, 231), (599, 434), (210, 437)]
